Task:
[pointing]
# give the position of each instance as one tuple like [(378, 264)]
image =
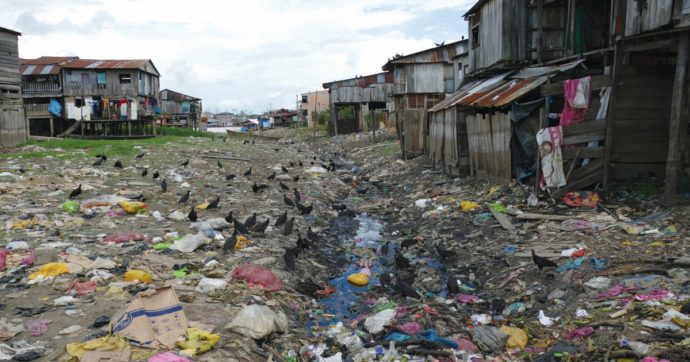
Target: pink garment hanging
[(571, 113)]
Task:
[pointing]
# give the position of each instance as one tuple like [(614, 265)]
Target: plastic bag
[(83, 288), (132, 207), (517, 338), (50, 270), (3, 255), (254, 274), (37, 327), (490, 339), (358, 279), (167, 357), (210, 285), (375, 324), (258, 321), (108, 343), (579, 333), (197, 341), (190, 242), (123, 237), (469, 206), (430, 335), (138, 275), (71, 207)]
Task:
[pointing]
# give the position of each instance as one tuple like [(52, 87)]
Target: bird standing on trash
[(542, 262), (298, 196), (288, 201), (312, 236), (285, 170), (296, 178), (271, 176), (250, 221), (76, 192), (164, 186), (213, 204), (281, 219), (228, 217), (98, 162), (289, 257), (303, 243), (156, 175), (192, 216), (118, 164), (283, 186), (304, 210), (220, 165), (229, 177), (185, 163), (239, 227), (248, 172), (230, 242), (145, 172), (287, 230), (261, 227), (184, 198)]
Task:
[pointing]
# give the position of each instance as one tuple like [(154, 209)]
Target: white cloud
[(232, 54)]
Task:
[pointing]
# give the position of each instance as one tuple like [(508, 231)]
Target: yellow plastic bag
[(197, 341), (359, 279), (242, 242), (50, 270), (202, 206), (140, 275), (469, 206), (24, 224), (517, 338), (132, 207), (107, 343)]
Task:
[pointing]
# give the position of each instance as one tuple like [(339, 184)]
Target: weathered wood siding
[(502, 34), (413, 130), (641, 113), (13, 125), (488, 138), (78, 82), (448, 145), (356, 94), (425, 78), (646, 15)]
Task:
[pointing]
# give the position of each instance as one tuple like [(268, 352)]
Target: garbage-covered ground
[(376, 258)]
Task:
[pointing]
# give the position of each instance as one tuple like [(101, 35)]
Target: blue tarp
[(54, 107)]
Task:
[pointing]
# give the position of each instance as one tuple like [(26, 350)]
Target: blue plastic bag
[(430, 335)]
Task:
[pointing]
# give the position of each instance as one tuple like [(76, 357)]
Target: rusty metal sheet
[(508, 92)]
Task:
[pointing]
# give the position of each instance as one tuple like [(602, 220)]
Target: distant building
[(180, 108), (313, 102), (282, 117), (13, 126)]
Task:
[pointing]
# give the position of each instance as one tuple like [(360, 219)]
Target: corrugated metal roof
[(539, 71), (440, 54), (363, 81), (5, 30), (34, 69), (503, 89), (107, 64), (171, 95), (48, 60)]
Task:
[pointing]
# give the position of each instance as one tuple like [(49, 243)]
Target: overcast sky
[(238, 55)]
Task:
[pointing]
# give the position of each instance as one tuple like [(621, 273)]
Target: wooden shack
[(179, 108), (13, 125), (90, 95), (421, 80), (356, 102)]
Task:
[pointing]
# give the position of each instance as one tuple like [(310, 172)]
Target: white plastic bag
[(190, 242), (258, 321)]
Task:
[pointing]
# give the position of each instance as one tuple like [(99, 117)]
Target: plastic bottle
[(291, 356)]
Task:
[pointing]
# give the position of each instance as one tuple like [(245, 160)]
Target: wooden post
[(609, 116), (572, 26), (673, 159), (540, 31), (52, 128)]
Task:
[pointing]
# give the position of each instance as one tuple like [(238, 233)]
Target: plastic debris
[(517, 338), (375, 323), (256, 275), (197, 341), (49, 270), (134, 275), (258, 321)]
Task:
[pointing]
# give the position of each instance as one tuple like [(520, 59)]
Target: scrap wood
[(502, 219)]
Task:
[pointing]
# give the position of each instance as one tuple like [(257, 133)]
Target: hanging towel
[(578, 94), (550, 140)]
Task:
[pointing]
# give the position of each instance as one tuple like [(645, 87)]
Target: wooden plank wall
[(413, 127), (489, 145), (13, 125), (455, 149), (640, 117), (436, 139), (73, 85), (575, 149), (655, 14)]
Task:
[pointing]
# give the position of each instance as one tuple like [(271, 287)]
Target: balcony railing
[(40, 87), (36, 109)]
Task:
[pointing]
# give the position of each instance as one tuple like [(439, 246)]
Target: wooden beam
[(598, 82), (610, 116), (646, 45), (540, 31), (679, 86)]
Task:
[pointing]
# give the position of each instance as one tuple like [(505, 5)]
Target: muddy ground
[(395, 213)]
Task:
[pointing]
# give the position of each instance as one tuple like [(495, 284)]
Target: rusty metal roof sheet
[(362, 82), (439, 54), (34, 69), (107, 64), (48, 60), (508, 92), (171, 95)]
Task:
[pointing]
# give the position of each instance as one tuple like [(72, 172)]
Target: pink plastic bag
[(84, 288), (3, 255), (411, 328), (123, 237), (254, 274), (468, 299), (37, 327), (167, 357), (654, 295), (466, 345), (579, 333)]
